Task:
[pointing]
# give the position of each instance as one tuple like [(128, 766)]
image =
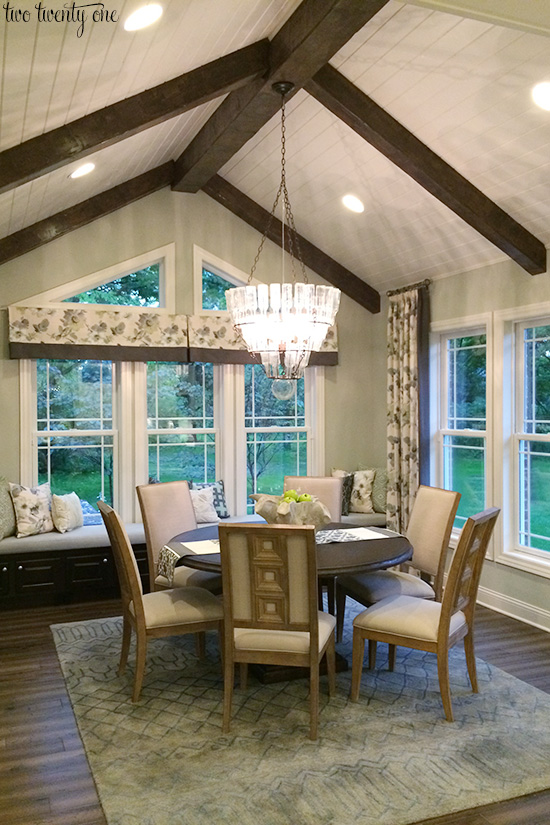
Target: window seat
[(365, 519)]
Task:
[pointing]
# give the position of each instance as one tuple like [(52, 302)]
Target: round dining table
[(333, 559)]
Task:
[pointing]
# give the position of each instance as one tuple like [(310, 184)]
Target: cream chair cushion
[(407, 616), (180, 606), (288, 641), (369, 588)]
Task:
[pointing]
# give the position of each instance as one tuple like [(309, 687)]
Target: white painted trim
[(515, 608), (165, 255), (314, 386), (28, 461)]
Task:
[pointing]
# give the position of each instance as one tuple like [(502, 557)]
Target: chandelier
[(283, 323)]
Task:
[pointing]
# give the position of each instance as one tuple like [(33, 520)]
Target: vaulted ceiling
[(424, 114)]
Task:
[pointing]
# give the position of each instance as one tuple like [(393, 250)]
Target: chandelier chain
[(288, 217)]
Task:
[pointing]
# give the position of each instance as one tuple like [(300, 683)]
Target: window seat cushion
[(93, 535), (364, 519)]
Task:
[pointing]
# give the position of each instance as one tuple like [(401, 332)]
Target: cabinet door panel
[(42, 574)]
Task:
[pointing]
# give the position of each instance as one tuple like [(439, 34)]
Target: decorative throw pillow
[(361, 495), (203, 505), (7, 513), (347, 487), (32, 509), (219, 495), (67, 512), (379, 488)]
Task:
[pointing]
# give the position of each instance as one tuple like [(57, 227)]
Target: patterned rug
[(390, 758)]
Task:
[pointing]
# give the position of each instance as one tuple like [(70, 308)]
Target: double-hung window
[(532, 436), (462, 436)]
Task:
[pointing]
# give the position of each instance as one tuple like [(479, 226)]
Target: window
[(140, 289), (180, 422), (276, 435), (463, 420), (213, 290), (532, 436), (74, 433)]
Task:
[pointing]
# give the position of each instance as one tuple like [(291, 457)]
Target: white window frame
[(202, 259), (440, 332), (506, 324)]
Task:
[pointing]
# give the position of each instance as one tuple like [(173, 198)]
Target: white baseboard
[(536, 616)]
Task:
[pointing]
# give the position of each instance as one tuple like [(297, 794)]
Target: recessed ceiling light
[(541, 95), (143, 17), (353, 203), (85, 169)]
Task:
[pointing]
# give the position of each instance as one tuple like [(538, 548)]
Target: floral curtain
[(407, 325)]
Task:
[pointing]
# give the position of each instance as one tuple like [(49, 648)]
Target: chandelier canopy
[(283, 323)]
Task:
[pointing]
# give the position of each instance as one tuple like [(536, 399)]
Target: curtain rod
[(425, 283)]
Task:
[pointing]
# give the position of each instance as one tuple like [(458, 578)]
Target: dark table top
[(332, 559)]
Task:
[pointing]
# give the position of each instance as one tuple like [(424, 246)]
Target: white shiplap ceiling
[(461, 85)]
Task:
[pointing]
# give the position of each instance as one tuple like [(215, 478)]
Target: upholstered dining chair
[(429, 625), (329, 491), (152, 615), (270, 606), (167, 509), (429, 532)]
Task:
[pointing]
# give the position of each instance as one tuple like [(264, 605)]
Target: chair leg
[(471, 660), (391, 657), (141, 653), (313, 700), (126, 639), (330, 654), (356, 663), (340, 611), (243, 675), (331, 593), (373, 644), (200, 644), (228, 678), (444, 686)]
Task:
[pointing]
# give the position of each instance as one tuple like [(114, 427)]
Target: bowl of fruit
[(293, 507)]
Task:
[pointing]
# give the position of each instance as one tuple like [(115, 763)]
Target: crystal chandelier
[(283, 323)]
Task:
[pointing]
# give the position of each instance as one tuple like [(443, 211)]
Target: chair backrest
[(269, 576), (127, 569), (429, 531), (326, 488), (166, 510), (465, 570)]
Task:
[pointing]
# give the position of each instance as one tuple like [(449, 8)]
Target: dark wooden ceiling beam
[(84, 213), (107, 126), (394, 141), (257, 217), (310, 37)]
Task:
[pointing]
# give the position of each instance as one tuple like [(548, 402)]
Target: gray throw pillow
[(7, 513), (379, 488), (220, 504)]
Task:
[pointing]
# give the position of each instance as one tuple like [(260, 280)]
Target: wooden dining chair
[(167, 510), (270, 606), (429, 625), (329, 491), (429, 532), (170, 612)]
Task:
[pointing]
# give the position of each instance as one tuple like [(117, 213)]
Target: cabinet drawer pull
[(20, 567), (105, 561), (4, 570)]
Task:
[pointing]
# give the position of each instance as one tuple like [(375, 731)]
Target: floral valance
[(133, 334)]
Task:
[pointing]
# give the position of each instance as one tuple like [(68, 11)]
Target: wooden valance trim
[(232, 356)]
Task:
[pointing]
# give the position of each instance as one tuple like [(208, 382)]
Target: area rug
[(389, 759)]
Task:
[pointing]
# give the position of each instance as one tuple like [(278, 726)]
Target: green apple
[(305, 497), (291, 495)]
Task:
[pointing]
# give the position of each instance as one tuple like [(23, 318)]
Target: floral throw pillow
[(347, 487), (379, 488), (219, 495), (361, 494), (32, 509), (7, 513), (203, 505)]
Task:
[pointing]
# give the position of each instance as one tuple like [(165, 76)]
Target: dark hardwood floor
[(44, 775)]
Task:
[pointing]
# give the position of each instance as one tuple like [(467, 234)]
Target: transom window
[(141, 288)]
